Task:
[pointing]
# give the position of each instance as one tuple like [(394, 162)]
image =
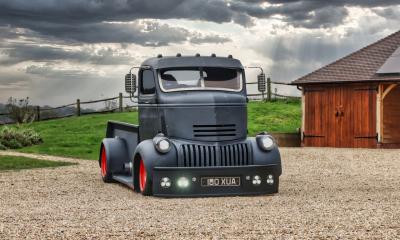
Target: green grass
[(279, 116), (17, 163), (81, 136), (76, 136)]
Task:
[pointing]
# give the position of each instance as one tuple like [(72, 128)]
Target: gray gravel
[(325, 193)]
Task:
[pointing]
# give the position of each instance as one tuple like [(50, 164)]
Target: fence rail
[(48, 113)]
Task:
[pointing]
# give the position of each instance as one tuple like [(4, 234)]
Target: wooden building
[(355, 101)]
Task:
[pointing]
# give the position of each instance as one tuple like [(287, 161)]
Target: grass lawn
[(16, 163), (75, 136), (81, 136), (279, 116)]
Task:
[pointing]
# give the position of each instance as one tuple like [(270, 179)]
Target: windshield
[(205, 78)]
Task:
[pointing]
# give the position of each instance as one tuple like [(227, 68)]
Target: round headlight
[(163, 145), (265, 142)]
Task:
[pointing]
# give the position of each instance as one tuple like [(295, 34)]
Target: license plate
[(220, 181)]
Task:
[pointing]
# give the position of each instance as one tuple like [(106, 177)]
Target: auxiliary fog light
[(270, 179), (183, 182), (165, 182), (256, 180)]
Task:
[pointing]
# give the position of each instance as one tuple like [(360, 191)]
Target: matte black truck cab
[(192, 134)]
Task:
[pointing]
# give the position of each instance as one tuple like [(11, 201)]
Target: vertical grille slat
[(223, 155), (230, 162), (184, 156), (242, 154), (226, 156), (235, 147), (190, 155), (198, 155), (209, 156), (215, 155), (246, 154)]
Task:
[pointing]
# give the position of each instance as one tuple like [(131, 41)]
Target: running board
[(124, 179)]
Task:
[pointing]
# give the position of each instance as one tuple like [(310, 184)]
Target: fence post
[(121, 108), (269, 89), (38, 113), (78, 107)]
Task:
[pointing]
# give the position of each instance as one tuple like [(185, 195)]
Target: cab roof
[(192, 61)]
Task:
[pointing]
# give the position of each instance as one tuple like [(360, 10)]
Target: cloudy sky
[(56, 51)]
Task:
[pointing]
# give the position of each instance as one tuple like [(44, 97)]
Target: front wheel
[(144, 184), (105, 173)]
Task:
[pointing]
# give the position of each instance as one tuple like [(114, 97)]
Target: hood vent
[(222, 130)]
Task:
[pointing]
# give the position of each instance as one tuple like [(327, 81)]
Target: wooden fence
[(76, 108)]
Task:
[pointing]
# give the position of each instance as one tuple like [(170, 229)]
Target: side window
[(147, 84)]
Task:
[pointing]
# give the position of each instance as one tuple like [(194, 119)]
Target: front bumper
[(195, 175)]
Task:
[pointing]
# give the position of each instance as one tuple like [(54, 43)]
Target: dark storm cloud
[(146, 33), (153, 34), (27, 52), (84, 20), (306, 13), (89, 21), (120, 10)]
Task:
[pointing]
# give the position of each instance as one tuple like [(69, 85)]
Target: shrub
[(20, 110), (2, 147), (16, 137)]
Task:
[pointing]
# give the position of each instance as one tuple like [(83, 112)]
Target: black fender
[(263, 157), (152, 158), (116, 154)]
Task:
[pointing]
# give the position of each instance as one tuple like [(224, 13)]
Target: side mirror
[(261, 82), (130, 83)]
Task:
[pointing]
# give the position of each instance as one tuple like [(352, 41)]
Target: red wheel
[(103, 162), (144, 184), (142, 176), (105, 173)]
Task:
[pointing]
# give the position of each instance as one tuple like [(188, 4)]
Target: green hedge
[(16, 137)]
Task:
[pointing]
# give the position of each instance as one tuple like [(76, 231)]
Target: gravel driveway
[(324, 193)]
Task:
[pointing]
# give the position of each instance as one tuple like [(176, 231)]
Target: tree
[(20, 110)]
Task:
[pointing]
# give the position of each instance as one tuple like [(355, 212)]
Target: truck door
[(148, 110)]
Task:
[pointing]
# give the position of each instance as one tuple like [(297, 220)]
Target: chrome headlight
[(162, 144), (265, 142)]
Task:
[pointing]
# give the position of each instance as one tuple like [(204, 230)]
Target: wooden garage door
[(338, 116), (315, 117), (364, 117), (391, 117)]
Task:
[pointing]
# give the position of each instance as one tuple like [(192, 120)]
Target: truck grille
[(208, 156), (222, 130)]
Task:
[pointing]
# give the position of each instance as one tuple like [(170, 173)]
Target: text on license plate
[(220, 181)]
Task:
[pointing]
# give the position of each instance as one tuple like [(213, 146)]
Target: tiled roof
[(360, 66)]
